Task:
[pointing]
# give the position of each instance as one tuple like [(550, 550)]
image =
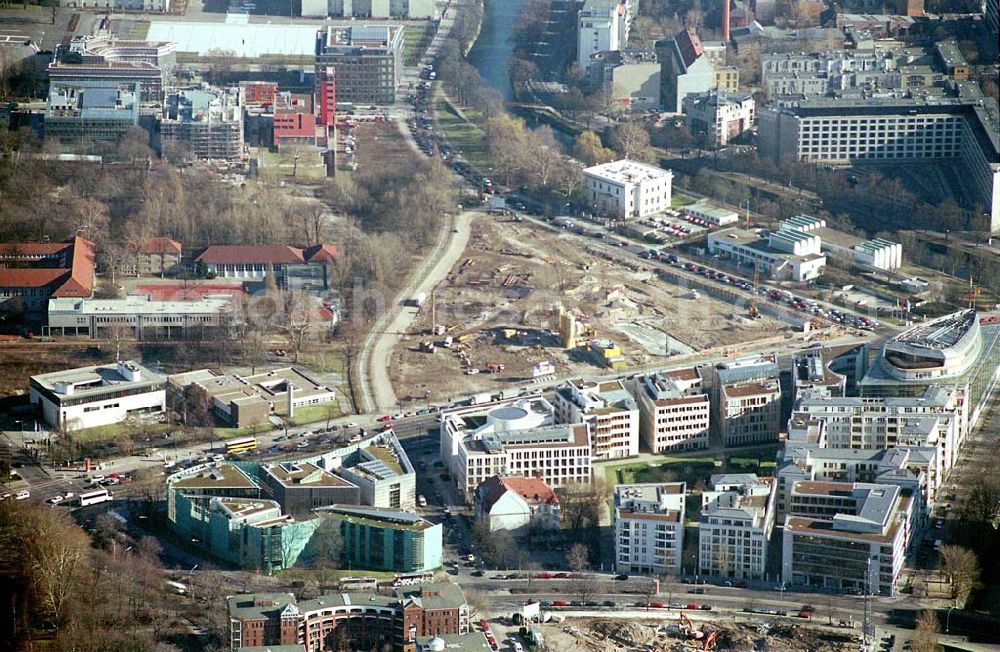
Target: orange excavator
[(706, 636)]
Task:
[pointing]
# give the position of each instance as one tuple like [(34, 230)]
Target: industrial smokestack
[(725, 21)]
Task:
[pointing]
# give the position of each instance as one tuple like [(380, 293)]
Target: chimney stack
[(725, 21)]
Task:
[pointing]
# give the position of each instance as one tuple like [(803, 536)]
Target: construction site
[(681, 635), (524, 304)]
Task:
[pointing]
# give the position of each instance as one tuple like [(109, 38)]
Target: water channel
[(493, 49)]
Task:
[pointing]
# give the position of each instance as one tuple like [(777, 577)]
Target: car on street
[(55, 500)]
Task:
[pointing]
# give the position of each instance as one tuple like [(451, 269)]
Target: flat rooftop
[(97, 379), (213, 477), (753, 388), (245, 507), (377, 517), (627, 171), (138, 305), (559, 436), (303, 474), (245, 40)]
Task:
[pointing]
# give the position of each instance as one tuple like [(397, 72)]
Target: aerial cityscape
[(499, 325)]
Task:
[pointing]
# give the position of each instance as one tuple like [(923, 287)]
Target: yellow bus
[(241, 445)]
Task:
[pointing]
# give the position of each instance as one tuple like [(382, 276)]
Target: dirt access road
[(376, 393)]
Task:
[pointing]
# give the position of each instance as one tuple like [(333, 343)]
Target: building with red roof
[(514, 503), (254, 261), (32, 272), (158, 256)]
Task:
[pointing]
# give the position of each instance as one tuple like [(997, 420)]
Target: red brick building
[(326, 95), (357, 621)]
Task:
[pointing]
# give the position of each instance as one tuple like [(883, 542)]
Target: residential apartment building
[(737, 518), (158, 256), (674, 410), (140, 318), (368, 61), (516, 437), (720, 115), (387, 540), (517, 504), (913, 468), (810, 373), (98, 395), (686, 68), (847, 537), (960, 125), (628, 189), (609, 409), (649, 528), (208, 122), (749, 412), (92, 110), (602, 26), (938, 419), (358, 621), (33, 272)]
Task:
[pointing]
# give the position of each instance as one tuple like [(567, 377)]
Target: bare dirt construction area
[(601, 635), (497, 310)]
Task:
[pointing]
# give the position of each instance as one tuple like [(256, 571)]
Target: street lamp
[(947, 620)]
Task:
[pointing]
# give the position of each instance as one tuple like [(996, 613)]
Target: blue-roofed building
[(95, 110), (388, 540)]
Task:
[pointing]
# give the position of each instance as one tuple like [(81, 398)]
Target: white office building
[(773, 255), (674, 410), (609, 409), (860, 128), (721, 116), (737, 517), (516, 437), (937, 419), (628, 189), (649, 528), (846, 537), (602, 26), (100, 395), (913, 468)]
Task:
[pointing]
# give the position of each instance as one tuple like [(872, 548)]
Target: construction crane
[(974, 293), (754, 311)]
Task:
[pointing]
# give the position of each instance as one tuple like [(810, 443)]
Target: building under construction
[(208, 121)]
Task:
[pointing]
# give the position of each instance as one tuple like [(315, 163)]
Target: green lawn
[(309, 166), (416, 39), (463, 136), (229, 433), (104, 433), (680, 200), (315, 413)]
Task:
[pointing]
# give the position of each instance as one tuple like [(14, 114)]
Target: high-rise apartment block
[(649, 527), (674, 413)]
